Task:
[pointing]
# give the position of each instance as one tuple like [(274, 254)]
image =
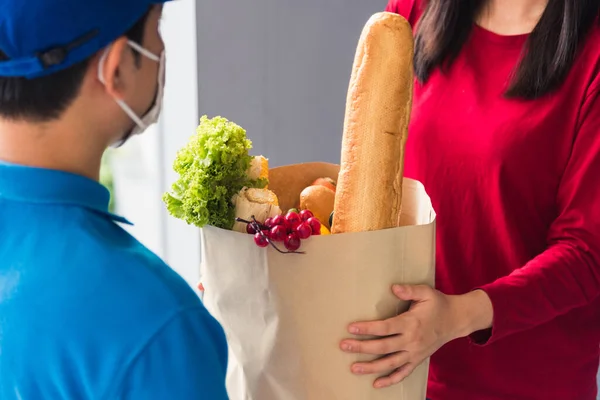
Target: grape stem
[(258, 227), (253, 222)]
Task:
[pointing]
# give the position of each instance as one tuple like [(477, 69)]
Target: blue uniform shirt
[(86, 311)]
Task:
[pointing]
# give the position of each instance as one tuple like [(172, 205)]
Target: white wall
[(137, 187), (143, 166), (179, 121)]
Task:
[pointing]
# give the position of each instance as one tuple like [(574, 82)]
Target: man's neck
[(511, 17), (50, 146)]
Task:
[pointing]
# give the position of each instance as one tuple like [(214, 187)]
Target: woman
[(505, 135)]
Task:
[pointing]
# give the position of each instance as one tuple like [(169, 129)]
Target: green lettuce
[(212, 168)]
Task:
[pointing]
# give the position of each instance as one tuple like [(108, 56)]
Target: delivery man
[(86, 311)]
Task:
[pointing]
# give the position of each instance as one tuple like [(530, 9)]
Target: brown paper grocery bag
[(285, 314)]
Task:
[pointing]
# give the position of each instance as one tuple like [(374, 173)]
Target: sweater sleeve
[(567, 274)]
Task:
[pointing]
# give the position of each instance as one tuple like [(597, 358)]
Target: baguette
[(378, 106)]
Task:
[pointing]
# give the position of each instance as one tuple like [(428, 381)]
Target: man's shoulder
[(93, 268), (81, 253), (133, 273), (95, 295), (167, 327), (188, 355)]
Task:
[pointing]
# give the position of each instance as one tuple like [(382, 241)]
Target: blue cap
[(41, 37)]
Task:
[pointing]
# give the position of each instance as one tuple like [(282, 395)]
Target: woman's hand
[(408, 339)]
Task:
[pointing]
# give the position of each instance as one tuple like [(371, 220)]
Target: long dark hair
[(548, 55)]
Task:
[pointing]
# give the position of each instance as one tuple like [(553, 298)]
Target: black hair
[(547, 57), (46, 98)]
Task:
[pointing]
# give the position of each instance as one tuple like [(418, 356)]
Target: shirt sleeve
[(186, 359), (567, 275)]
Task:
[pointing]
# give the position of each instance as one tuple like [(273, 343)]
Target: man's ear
[(111, 63)]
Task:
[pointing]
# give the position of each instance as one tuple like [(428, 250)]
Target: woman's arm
[(567, 274)]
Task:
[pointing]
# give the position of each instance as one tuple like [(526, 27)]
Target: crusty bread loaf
[(378, 106)]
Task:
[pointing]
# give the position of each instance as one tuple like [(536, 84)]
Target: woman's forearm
[(473, 312)]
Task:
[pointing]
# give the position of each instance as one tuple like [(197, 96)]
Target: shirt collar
[(46, 186)]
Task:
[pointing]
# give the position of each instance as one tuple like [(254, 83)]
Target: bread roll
[(378, 106), (319, 200), (258, 203)]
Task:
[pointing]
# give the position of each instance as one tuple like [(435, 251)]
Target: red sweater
[(516, 185)]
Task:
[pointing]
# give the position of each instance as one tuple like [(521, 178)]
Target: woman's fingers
[(395, 377), (385, 364), (386, 327), (386, 345)]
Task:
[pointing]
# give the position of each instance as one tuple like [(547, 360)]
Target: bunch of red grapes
[(290, 229)]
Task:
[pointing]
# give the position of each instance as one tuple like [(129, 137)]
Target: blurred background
[(278, 68)]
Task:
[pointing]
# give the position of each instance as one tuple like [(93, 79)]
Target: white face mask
[(152, 115)]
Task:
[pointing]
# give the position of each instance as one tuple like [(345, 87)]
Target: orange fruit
[(326, 182)]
